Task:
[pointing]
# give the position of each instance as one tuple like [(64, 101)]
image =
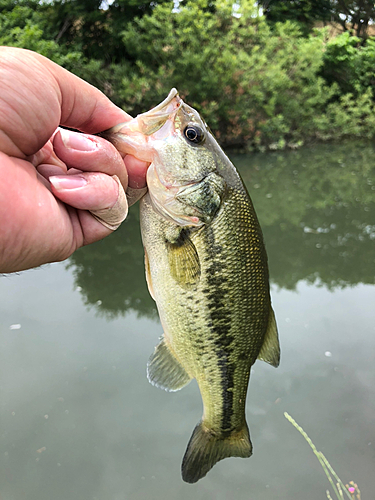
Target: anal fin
[(270, 351), (165, 371)]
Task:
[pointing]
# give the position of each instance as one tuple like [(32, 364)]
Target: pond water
[(79, 419)]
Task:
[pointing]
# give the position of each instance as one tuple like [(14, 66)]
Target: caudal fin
[(206, 448)]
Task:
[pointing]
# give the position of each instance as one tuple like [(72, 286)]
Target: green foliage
[(23, 24), (304, 12), (354, 15), (350, 63), (93, 30), (351, 116), (252, 85), (256, 85)]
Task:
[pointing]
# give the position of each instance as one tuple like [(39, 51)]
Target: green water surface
[(78, 418)]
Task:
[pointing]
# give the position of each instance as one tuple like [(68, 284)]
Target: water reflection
[(79, 419), (110, 273), (317, 210)]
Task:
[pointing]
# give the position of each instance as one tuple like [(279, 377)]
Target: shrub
[(253, 86), (351, 63)]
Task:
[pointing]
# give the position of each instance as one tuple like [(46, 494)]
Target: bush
[(254, 86), (351, 116), (351, 63)]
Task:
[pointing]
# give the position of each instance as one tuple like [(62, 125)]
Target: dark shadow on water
[(316, 207), (110, 273)]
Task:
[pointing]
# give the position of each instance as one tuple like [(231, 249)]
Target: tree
[(354, 15), (305, 12), (256, 83), (96, 31)]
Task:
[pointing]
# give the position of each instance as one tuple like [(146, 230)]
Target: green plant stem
[(340, 488)]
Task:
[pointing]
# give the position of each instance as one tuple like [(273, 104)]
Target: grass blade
[(339, 488)]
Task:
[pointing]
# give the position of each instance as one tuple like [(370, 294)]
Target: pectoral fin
[(165, 371), (270, 351), (184, 261)]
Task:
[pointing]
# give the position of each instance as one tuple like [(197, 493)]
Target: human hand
[(50, 177)]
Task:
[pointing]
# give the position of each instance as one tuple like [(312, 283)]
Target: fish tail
[(206, 448)]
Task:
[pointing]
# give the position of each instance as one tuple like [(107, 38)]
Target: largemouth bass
[(206, 268)]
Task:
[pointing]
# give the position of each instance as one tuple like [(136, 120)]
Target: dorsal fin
[(270, 351)]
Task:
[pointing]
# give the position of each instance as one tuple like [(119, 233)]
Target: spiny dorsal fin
[(270, 351), (165, 371), (184, 261), (206, 448)]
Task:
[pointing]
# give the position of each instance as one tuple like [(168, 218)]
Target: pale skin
[(51, 178)]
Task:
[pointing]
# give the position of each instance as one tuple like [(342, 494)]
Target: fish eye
[(194, 134)]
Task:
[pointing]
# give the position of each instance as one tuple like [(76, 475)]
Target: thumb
[(96, 192)]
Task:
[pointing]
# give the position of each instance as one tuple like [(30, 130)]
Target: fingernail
[(67, 181), (75, 140)]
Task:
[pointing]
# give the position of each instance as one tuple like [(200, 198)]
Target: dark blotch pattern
[(220, 324)]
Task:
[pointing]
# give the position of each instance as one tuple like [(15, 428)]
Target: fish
[(206, 268)]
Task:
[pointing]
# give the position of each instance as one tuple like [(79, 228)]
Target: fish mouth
[(135, 136), (153, 120)]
